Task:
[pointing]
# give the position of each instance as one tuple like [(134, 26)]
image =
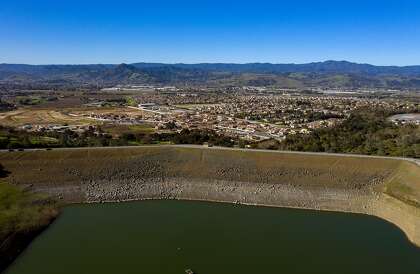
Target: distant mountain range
[(333, 74)]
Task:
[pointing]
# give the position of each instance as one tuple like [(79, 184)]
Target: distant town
[(252, 113), (247, 113)]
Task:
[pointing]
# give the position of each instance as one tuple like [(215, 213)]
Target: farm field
[(22, 117), (69, 116)]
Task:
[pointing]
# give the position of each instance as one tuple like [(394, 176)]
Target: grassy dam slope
[(384, 187)]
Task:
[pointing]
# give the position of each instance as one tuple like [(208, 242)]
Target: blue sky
[(57, 32)]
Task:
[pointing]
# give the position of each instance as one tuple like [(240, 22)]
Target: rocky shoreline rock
[(320, 182)]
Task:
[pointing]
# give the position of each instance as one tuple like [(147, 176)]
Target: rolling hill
[(330, 74)]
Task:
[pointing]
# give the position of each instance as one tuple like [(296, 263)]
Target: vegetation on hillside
[(322, 74), (21, 212), (364, 132), (11, 138)]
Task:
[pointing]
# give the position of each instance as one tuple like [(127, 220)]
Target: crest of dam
[(385, 187)]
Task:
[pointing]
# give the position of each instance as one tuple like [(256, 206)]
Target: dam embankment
[(387, 188)]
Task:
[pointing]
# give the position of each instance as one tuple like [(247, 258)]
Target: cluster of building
[(57, 128), (122, 119), (254, 116), (248, 112)]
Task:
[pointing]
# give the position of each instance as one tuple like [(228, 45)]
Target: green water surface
[(168, 237)]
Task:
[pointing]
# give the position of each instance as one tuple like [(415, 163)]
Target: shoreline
[(384, 187), (383, 206), (28, 237), (258, 205), (15, 244)]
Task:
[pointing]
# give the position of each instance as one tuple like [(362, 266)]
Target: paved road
[(417, 161)]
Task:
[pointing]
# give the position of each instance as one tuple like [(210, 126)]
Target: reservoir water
[(168, 237)]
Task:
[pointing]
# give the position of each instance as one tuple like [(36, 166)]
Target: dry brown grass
[(39, 117), (404, 183), (72, 166)]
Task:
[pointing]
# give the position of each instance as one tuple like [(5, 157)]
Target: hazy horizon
[(185, 63)]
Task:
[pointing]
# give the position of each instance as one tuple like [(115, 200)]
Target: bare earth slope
[(388, 188)]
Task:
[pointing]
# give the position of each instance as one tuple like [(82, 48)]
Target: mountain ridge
[(324, 74), (325, 66)]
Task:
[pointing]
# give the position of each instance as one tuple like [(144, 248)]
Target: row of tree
[(14, 139), (364, 132)]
